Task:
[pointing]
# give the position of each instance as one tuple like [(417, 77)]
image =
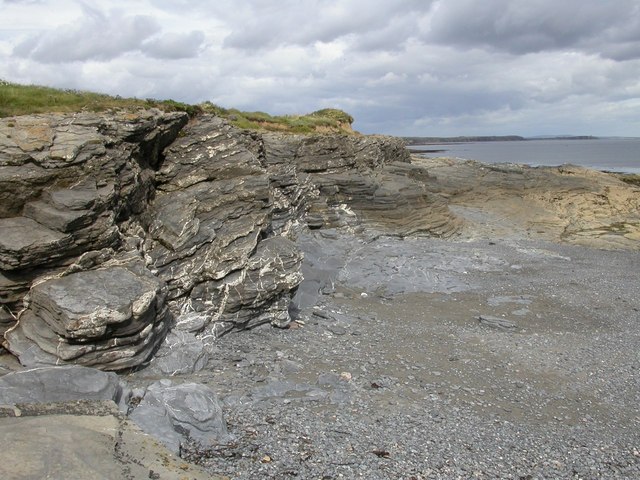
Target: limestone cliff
[(116, 228)]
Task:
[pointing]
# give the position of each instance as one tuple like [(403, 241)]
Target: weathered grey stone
[(97, 303), (25, 243), (258, 294), (213, 203), (180, 353), (208, 210), (192, 322), (497, 322), (61, 220), (172, 413), (71, 209), (390, 199), (61, 384), (7, 320), (34, 343)]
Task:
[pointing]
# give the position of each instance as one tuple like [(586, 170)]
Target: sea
[(606, 154)]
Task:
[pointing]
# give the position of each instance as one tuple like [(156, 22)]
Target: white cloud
[(93, 36), (174, 45)]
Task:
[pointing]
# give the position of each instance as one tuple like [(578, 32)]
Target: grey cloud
[(95, 36), (303, 23), (523, 26), (174, 45), (389, 37)]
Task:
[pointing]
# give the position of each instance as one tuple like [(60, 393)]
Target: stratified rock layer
[(61, 384), (564, 204), (110, 318), (119, 228)]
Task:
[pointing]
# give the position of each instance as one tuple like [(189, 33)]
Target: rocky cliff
[(118, 228)]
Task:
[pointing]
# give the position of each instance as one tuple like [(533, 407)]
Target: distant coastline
[(603, 153), (489, 138)]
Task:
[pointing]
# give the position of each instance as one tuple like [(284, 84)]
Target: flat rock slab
[(92, 441), (25, 243), (497, 323), (62, 220), (60, 384)]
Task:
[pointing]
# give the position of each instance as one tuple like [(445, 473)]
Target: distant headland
[(490, 138)]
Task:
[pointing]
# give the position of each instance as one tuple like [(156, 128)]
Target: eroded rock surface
[(112, 318), (61, 384), (119, 229), (363, 180), (567, 204)]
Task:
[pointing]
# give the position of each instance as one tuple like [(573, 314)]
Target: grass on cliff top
[(328, 120), (18, 99)]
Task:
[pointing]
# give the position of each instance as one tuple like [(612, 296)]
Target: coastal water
[(611, 154)]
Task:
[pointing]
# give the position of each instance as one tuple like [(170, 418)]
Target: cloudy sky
[(405, 67)]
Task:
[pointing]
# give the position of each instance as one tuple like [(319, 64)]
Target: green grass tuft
[(18, 99)]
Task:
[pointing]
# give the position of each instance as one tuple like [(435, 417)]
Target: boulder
[(113, 318), (174, 413), (180, 353)]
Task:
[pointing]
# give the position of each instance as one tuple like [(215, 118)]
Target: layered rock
[(112, 318), (64, 384), (209, 232), (65, 183), (362, 180), (121, 228), (564, 204)]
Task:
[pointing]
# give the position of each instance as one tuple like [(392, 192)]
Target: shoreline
[(403, 380), (603, 154)]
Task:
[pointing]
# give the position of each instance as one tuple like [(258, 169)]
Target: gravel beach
[(422, 358)]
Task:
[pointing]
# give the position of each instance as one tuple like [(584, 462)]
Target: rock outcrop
[(569, 204), (363, 180), (118, 227), (112, 318)]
